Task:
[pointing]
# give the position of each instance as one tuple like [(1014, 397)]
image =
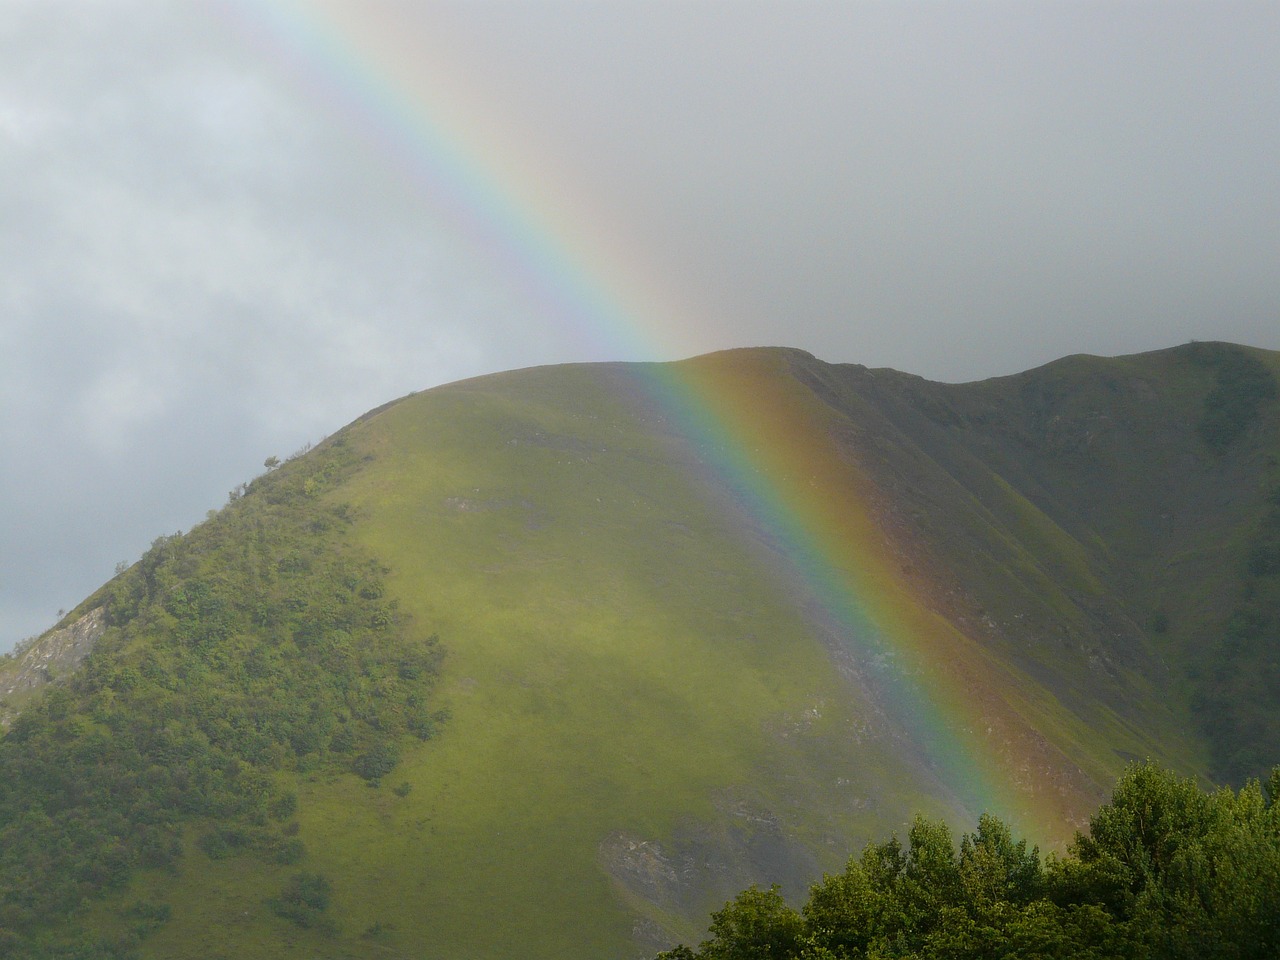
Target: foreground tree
[(1164, 871), (1192, 874)]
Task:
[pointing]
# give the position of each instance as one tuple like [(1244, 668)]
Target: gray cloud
[(210, 257), (906, 184)]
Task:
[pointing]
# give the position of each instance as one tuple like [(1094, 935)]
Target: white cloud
[(118, 403), (25, 125)]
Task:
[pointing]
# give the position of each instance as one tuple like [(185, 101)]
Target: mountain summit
[(550, 663)]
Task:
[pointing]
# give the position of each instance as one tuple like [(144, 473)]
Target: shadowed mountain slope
[(699, 625), (1143, 492)]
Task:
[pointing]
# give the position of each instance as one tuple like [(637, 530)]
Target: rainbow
[(768, 440), (768, 448)]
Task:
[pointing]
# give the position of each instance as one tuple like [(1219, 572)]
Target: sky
[(228, 229)]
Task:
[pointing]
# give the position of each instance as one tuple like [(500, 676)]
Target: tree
[(1164, 872), (755, 925), (994, 869), (844, 911), (1198, 874)]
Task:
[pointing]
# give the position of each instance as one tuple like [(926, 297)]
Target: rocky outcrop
[(54, 655), (700, 866)]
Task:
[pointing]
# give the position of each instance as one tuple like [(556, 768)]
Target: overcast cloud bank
[(208, 261)]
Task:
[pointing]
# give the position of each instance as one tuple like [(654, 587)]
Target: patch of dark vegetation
[(261, 642), (305, 900), (380, 760), (1164, 871), (146, 917), (1239, 673), (1242, 383)]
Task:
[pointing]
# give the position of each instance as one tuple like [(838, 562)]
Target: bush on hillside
[(304, 900)]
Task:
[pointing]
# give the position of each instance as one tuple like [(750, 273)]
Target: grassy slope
[(619, 670), (1111, 534), (618, 663), (1000, 567), (610, 642), (1114, 454)]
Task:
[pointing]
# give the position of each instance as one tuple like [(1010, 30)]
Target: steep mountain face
[(1121, 512), (539, 664)]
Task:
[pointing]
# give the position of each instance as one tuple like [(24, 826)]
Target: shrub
[(304, 900), (377, 762)]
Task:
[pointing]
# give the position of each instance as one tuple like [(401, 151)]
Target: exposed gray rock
[(54, 655), (701, 865)]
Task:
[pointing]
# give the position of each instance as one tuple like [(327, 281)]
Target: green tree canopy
[(1165, 870)]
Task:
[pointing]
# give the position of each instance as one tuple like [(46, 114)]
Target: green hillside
[(1149, 524), (505, 669)]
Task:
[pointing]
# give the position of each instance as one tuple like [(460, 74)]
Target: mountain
[(550, 663)]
